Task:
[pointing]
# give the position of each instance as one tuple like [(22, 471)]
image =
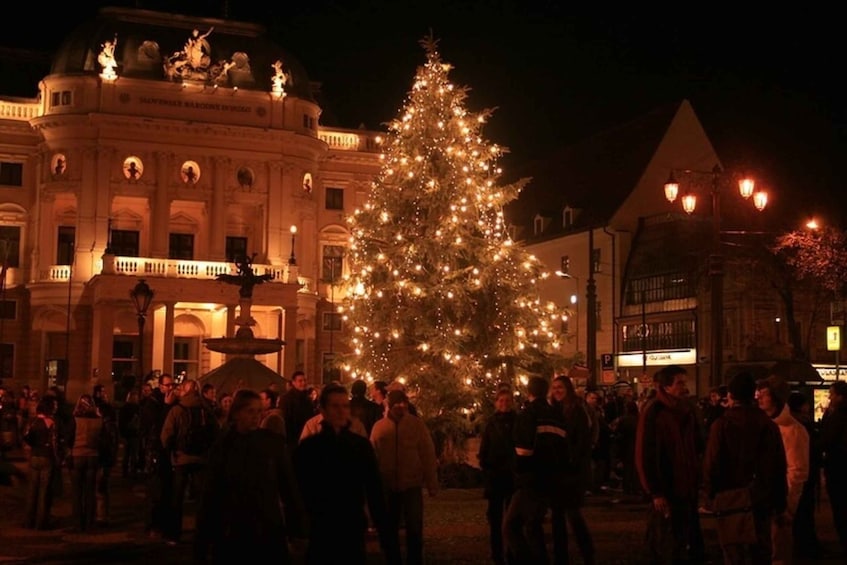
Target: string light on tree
[(446, 298)]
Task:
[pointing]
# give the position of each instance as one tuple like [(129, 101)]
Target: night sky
[(763, 84)]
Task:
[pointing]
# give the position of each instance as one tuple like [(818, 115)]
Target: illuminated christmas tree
[(440, 296)]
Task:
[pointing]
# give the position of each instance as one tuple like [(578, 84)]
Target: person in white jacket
[(772, 395)]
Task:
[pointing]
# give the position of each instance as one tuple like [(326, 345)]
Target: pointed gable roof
[(595, 176)]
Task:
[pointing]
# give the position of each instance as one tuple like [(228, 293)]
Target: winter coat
[(497, 453), (87, 431), (296, 408), (335, 504), (745, 449), (251, 493), (834, 441), (177, 423), (667, 448), (795, 440), (405, 453), (541, 446)]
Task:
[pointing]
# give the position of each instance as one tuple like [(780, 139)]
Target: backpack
[(199, 433)]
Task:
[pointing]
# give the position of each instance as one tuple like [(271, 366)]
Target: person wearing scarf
[(668, 446)]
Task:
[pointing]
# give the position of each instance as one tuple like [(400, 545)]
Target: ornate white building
[(163, 147)]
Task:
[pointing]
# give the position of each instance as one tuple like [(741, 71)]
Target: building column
[(168, 348), (275, 231), (158, 226), (217, 231), (289, 361), (102, 338)]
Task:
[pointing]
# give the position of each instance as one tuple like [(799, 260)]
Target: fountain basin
[(244, 346)]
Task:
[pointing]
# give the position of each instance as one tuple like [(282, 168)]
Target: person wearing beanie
[(405, 453), (772, 396), (745, 449)]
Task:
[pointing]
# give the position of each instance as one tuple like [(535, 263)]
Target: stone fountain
[(241, 369)]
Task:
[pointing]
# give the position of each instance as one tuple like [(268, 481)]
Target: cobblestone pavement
[(455, 531)]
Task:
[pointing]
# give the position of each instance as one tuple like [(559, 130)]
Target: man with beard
[(668, 445)]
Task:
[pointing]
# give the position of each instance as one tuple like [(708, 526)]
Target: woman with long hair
[(87, 428), (569, 494), (251, 498)]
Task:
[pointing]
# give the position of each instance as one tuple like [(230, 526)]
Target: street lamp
[(291, 259), (747, 189), (141, 296), (574, 300)]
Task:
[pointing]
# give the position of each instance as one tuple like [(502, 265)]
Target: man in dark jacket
[(297, 408), (190, 430), (362, 408), (668, 445), (834, 444), (745, 449), (153, 412), (336, 508), (496, 458), (541, 451)]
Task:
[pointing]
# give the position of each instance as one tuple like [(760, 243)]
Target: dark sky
[(763, 84)]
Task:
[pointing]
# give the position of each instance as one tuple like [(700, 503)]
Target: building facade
[(597, 212), (165, 148)]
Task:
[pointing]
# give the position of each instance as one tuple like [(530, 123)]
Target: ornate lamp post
[(141, 296), (747, 189), (291, 259)]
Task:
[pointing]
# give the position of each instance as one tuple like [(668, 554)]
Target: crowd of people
[(315, 470)]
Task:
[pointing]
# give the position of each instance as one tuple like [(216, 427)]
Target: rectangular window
[(124, 358), (8, 309), (676, 334), (181, 246), (186, 357), (659, 288), (565, 264), (236, 248), (595, 259), (11, 174), (334, 198), (65, 245), (332, 322), (10, 246), (333, 263), (125, 243), (60, 98), (331, 372), (7, 360)]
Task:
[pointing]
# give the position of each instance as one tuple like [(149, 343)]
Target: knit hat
[(397, 396)]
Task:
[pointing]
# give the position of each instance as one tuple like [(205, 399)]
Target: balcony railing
[(348, 140), (176, 268), (11, 110)]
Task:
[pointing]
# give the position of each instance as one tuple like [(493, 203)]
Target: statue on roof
[(193, 61), (107, 60), (279, 80), (197, 49), (246, 278)]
